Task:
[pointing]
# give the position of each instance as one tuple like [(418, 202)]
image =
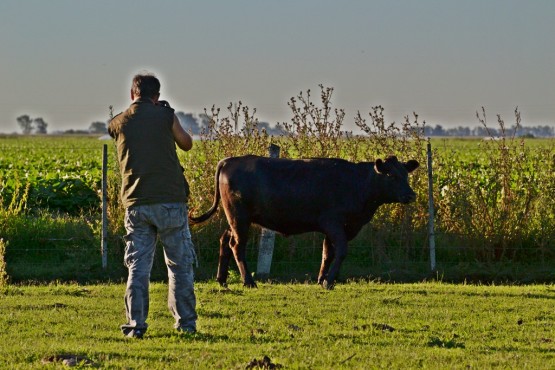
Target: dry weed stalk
[(235, 134), (314, 131), (495, 199)]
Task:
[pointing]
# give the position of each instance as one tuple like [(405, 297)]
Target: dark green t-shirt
[(150, 170)]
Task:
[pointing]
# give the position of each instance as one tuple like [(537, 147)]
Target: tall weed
[(314, 131), (499, 203), (234, 134)]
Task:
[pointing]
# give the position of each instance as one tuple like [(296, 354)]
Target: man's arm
[(182, 138)]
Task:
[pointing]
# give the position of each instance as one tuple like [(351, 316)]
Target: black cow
[(332, 196)]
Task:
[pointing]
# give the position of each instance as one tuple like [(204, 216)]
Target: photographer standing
[(154, 193)]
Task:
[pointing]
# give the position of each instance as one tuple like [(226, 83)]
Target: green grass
[(359, 325)]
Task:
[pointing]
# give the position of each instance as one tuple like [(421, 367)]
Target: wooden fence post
[(267, 238), (431, 235), (104, 242)]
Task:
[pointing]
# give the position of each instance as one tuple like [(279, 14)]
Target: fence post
[(431, 235), (104, 242), (267, 237)]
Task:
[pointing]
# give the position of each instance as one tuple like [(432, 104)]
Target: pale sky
[(67, 61)]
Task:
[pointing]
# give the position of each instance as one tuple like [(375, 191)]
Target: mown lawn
[(359, 325)]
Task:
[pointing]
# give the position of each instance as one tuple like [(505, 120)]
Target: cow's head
[(396, 179)]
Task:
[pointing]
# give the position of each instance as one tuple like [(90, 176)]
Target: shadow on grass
[(189, 337)]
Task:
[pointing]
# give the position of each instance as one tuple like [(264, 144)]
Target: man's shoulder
[(116, 120), (115, 123)]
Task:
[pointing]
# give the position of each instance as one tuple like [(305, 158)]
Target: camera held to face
[(163, 103)]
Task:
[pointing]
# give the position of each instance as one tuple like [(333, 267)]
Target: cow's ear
[(380, 167), (411, 165)]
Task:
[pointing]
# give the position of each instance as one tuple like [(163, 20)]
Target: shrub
[(499, 201)]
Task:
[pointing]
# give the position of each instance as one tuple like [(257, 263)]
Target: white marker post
[(267, 238)]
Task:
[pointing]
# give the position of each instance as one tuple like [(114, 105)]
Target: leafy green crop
[(64, 174)]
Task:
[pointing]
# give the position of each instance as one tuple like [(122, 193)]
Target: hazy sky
[(67, 61)]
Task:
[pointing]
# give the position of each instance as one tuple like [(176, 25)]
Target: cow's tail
[(212, 210)]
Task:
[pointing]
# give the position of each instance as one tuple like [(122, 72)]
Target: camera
[(163, 103)]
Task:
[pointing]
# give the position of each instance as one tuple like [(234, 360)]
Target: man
[(154, 193)]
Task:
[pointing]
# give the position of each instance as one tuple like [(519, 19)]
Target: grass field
[(359, 325)]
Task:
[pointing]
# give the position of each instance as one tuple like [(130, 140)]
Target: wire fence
[(84, 249)]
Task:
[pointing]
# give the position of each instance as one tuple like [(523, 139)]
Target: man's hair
[(145, 85)]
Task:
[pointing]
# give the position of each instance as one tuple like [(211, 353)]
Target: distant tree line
[(96, 128), (30, 125), (479, 131), (194, 124)]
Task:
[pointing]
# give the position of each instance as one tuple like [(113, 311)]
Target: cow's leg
[(225, 256), (328, 254), (339, 241), (239, 248)]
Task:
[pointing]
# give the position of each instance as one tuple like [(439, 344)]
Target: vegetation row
[(493, 198)]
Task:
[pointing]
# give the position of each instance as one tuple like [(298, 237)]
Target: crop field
[(64, 173), (359, 325), (50, 214)]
